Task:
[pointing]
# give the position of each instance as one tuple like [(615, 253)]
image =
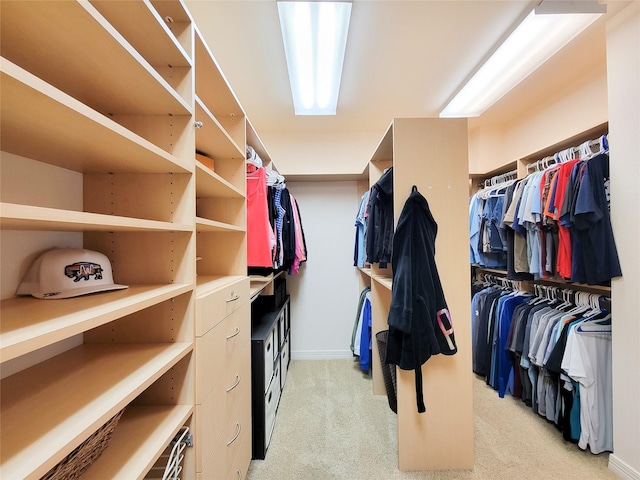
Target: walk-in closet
[(210, 271)]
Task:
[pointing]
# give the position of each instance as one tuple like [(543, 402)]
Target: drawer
[(271, 401), (284, 362), (215, 305), (240, 464), (215, 350), (236, 432), (228, 397), (269, 351)]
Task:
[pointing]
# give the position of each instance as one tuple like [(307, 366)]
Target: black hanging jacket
[(380, 225), (419, 320)]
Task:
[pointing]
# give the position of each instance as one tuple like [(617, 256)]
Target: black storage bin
[(271, 303), (388, 371), (280, 290)]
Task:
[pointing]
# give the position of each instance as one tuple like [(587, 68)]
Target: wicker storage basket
[(73, 465)]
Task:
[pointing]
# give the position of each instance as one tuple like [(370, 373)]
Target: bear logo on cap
[(68, 272)]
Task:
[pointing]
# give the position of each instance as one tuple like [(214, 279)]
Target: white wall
[(580, 106), (623, 72), (324, 296)]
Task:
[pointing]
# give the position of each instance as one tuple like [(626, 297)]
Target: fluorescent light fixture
[(315, 38), (547, 29)]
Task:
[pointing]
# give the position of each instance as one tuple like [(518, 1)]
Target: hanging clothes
[(419, 320), (587, 361), (554, 223), (593, 223), (488, 240), (355, 335), (361, 228), (361, 337), (555, 355), (379, 233), (275, 236), (260, 236), (300, 250)]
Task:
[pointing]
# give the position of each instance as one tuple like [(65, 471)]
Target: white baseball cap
[(68, 272)]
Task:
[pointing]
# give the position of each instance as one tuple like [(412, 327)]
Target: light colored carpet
[(329, 426)]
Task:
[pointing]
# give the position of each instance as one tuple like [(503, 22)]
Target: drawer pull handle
[(233, 299), (236, 332), (239, 474), (236, 435), (235, 384)]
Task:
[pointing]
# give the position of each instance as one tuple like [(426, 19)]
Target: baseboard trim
[(320, 354), (621, 469)]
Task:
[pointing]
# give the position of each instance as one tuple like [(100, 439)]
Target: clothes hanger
[(591, 324), (539, 295), (580, 304), (253, 158), (585, 150), (596, 325)]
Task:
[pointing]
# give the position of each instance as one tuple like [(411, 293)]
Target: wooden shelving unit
[(117, 80), (27, 324), (521, 165), (223, 316), (131, 447), (442, 437), (212, 136), (40, 121), (27, 217), (39, 427), (103, 107)]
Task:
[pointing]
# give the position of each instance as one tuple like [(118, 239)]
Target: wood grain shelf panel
[(29, 323), (138, 441), (212, 138), (366, 271), (176, 10), (211, 86), (48, 409), (205, 225), (253, 139), (387, 282), (205, 284), (41, 122), (28, 217), (155, 41), (384, 150), (118, 81), (210, 184)]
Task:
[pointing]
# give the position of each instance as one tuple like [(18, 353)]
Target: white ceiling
[(403, 59)]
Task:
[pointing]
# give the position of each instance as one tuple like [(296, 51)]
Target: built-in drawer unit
[(212, 307), (224, 344), (240, 464), (229, 450), (267, 372), (222, 377), (232, 390)]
